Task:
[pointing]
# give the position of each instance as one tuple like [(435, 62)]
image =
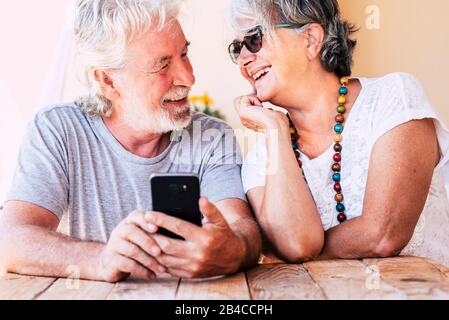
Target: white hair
[(103, 29)]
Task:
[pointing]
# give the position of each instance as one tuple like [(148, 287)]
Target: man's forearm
[(36, 251), (248, 230)]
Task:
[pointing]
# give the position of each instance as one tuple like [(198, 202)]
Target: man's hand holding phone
[(210, 250), (131, 251)]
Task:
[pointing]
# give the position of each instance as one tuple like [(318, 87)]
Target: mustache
[(177, 93)]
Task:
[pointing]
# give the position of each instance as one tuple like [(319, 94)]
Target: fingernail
[(151, 227), (161, 269)]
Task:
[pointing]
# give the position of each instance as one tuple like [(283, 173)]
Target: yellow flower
[(205, 99), (194, 99)]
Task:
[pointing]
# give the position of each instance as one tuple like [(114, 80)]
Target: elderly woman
[(355, 168)]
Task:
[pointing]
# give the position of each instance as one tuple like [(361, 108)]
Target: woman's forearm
[(288, 215), (347, 241), (36, 251), (360, 238)]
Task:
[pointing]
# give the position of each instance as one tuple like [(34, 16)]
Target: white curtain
[(13, 122), (53, 89)]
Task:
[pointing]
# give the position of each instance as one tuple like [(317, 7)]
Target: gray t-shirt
[(73, 166)]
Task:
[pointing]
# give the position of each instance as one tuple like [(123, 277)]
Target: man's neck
[(141, 143)]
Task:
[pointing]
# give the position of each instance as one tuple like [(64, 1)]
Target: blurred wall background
[(410, 36), (395, 35)]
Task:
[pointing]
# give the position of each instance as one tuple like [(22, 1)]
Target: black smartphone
[(177, 195)]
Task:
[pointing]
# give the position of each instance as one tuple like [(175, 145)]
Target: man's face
[(154, 85)]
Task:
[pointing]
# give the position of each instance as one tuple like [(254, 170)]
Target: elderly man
[(90, 161)]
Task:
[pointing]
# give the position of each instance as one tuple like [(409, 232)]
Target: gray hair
[(338, 47), (103, 29)]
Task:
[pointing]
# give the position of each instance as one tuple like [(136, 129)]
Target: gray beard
[(162, 121)]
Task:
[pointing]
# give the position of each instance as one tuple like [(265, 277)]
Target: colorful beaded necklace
[(336, 167)]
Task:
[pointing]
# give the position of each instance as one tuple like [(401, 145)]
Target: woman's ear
[(315, 38), (106, 84)]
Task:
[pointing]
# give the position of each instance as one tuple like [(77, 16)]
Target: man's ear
[(315, 38), (106, 84)]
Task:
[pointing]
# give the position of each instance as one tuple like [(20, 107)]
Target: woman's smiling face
[(273, 69)]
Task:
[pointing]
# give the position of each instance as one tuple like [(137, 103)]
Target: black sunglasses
[(253, 40)]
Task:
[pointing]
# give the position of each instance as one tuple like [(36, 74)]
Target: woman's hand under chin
[(256, 117)]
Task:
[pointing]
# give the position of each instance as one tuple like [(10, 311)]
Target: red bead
[(341, 217), (337, 186), (337, 157), (336, 167), (300, 163)]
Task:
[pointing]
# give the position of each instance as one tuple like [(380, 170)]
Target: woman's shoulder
[(395, 94), (397, 84), (390, 101), (394, 77)]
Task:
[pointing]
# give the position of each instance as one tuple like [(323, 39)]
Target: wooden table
[(393, 278)]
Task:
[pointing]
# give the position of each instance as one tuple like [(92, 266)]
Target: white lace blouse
[(383, 104)]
